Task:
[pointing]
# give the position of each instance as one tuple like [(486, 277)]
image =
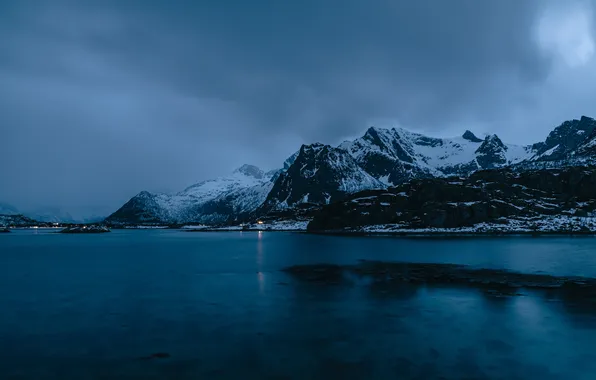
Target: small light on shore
[(260, 222)]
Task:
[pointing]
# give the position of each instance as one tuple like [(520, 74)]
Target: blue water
[(92, 306)]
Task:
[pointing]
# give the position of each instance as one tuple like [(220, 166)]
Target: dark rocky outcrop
[(468, 135), (486, 196), (319, 174), (491, 154), (563, 142), (141, 209)]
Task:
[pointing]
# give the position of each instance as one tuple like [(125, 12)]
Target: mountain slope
[(570, 144), (319, 174), (565, 140), (395, 156), (18, 220), (212, 201), (499, 196)]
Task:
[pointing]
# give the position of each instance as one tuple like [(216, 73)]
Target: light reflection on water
[(76, 306)]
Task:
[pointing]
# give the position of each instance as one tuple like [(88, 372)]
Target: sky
[(102, 99)]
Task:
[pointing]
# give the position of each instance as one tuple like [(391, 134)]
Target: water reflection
[(261, 279), (73, 308), (260, 249)]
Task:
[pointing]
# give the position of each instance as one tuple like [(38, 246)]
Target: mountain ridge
[(318, 174)]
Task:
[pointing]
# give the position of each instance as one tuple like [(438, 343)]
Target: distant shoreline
[(410, 233), (443, 233)]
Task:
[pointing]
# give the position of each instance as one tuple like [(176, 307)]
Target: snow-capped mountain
[(319, 174), (212, 201), (572, 143), (566, 141), (396, 155)]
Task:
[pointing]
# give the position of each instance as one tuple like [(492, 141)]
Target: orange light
[(260, 222)]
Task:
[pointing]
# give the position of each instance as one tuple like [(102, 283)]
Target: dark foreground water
[(96, 306)]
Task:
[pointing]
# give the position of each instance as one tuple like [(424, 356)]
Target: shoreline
[(388, 233), (455, 233)]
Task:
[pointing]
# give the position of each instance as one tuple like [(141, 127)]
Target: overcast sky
[(102, 99)]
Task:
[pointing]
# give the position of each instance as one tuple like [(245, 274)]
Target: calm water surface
[(91, 307)]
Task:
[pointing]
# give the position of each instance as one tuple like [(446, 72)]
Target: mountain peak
[(491, 153), (250, 171), (468, 135), (565, 139), (313, 148), (495, 140), (372, 135)]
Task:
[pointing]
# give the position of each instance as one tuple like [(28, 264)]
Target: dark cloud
[(101, 99)]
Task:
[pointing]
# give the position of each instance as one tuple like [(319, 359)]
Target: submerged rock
[(496, 281), (157, 355)]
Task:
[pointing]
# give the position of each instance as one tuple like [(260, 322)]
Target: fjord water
[(96, 306)]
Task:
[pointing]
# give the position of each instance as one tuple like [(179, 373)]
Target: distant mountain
[(47, 214), (17, 220), (52, 215), (8, 209), (320, 174), (212, 201)]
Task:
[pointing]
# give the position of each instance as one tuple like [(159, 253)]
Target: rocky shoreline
[(395, 273), (455, 234)]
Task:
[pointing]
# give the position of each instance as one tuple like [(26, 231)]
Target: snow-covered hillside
[(209, 201), (396, 155)]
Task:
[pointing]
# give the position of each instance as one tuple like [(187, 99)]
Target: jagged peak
[(372, 135), (250, 171), (573, 124), (314, 147), (493, 138), (373, 129), (470, 136), (491, 141), (144, 194)]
